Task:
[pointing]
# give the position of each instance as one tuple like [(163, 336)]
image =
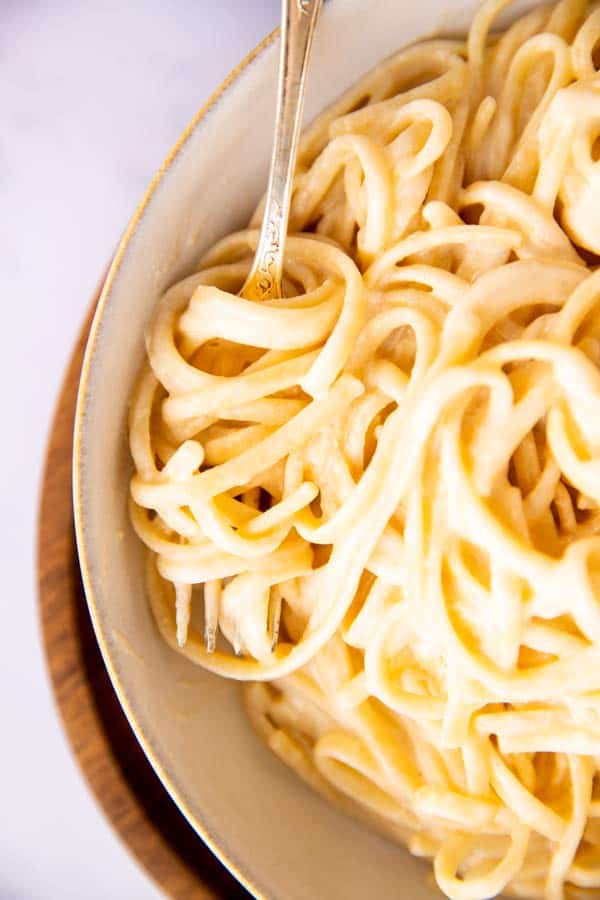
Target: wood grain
[(104, 745)]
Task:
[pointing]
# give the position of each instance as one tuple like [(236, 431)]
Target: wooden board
[(104, 745)]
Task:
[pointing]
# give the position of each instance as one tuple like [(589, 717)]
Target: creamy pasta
[(403, 457)]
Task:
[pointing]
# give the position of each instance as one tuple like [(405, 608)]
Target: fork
[(264, 281)]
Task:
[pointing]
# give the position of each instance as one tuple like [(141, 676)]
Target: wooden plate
[(118, 773)]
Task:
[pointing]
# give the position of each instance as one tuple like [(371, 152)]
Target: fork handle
[(298, 21)]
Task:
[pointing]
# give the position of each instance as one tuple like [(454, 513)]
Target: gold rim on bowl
[(82, 396)]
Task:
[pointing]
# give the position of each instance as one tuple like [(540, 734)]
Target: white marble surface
[(93, 95)]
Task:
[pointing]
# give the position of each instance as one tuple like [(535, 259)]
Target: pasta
[(403, 456)]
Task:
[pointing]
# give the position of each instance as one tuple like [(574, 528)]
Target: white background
[(92, 96)]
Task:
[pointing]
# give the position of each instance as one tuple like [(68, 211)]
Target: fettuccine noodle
[(403, 455)]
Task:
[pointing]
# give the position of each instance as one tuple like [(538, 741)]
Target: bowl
[(277, 837)]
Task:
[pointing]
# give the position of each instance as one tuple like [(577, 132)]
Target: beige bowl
[(270, 830)]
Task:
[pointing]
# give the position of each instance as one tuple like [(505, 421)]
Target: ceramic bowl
[(274, 834)]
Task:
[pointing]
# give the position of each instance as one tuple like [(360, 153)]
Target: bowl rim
[(202, 828)]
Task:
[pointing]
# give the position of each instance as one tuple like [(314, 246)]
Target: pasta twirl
[(403, 455)]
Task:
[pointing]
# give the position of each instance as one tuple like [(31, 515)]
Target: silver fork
[(298, 21)]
